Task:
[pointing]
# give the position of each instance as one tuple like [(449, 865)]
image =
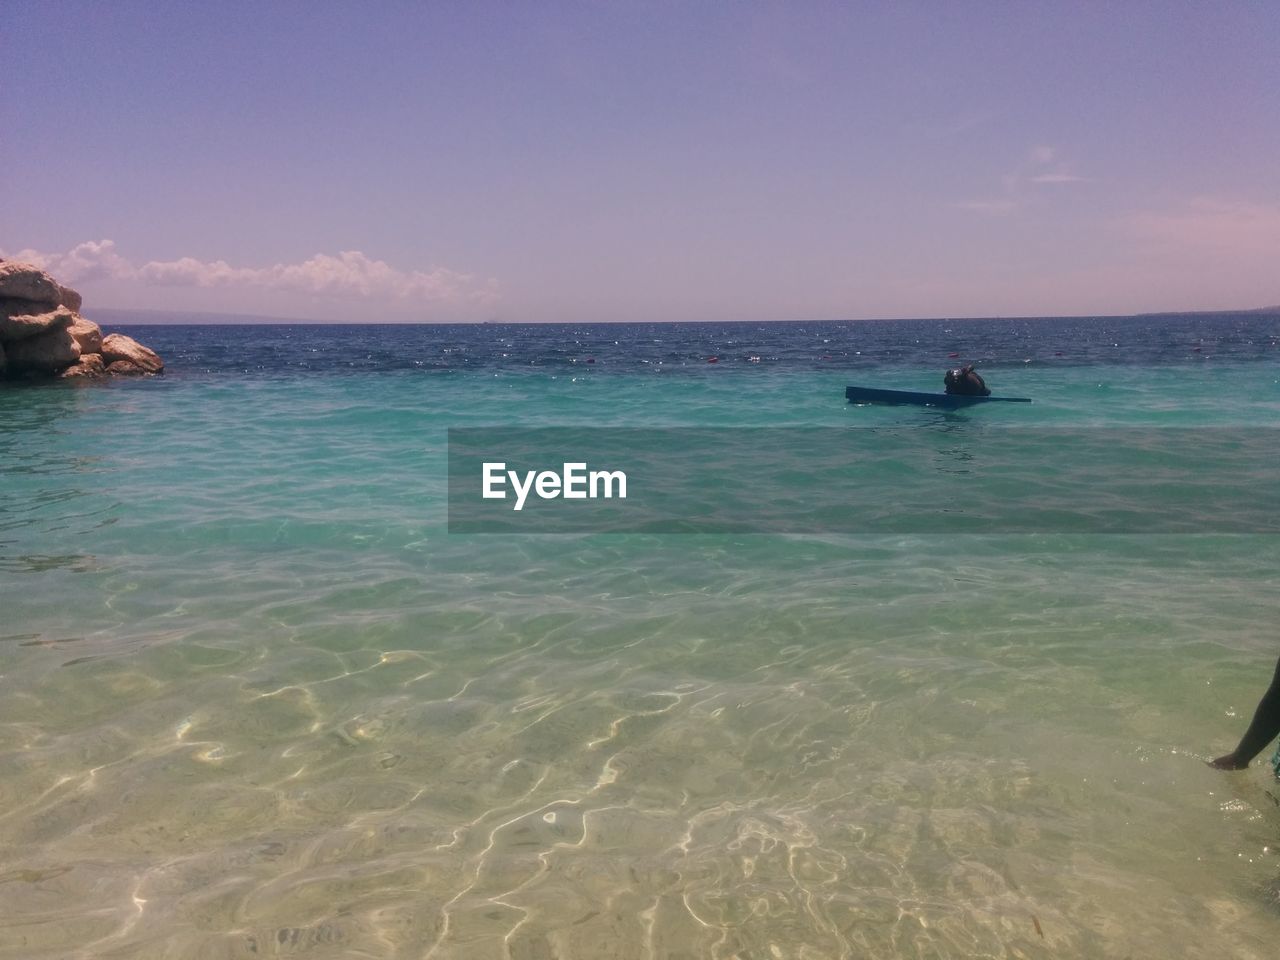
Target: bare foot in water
[(1228, 762)]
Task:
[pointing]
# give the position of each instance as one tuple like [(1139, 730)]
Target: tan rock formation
[(126, 368), (86, 333), (28, 282), (46, 352), (117, 347), (89, 366), (20, 319), (69, 299), (42, 333)]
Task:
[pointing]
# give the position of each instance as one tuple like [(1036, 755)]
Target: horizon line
[(254, 319)]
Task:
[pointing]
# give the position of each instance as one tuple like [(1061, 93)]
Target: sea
[(257, 699)]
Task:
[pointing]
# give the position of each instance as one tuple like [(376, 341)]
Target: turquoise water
[(255, 701)]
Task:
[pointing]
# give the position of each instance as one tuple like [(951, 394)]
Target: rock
[(89, 365), (29, 283), (42, 332), (86, 333), (69, 299), (47, 352), (127, 368), (117, 347), (20, 319)]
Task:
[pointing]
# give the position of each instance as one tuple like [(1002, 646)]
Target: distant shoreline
[(178, 318)]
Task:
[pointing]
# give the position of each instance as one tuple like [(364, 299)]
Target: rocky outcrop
[(20, 319), (43, 335), (47, 352), (89, 365), (89, 335), (69, 299), (22, 281), (117, 348), (25, 282)]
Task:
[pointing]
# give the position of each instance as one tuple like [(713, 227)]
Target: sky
[(633, 161)]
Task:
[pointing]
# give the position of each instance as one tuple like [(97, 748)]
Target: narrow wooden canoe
[(915, 398)]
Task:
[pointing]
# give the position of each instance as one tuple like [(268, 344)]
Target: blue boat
[(947, 401)]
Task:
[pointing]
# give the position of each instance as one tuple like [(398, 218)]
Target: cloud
[(1046, 167), (1040, 167), (189, 272), (350, 274), (93, 260), (1058, 178), (993, 207)]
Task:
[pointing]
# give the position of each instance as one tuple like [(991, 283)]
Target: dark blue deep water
[(801, 345)]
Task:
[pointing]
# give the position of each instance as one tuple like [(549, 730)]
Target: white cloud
[(1058, 178), (994, 207), (1046, 167), (350, 274), (93, 260), (1040, 167), (189, 272)]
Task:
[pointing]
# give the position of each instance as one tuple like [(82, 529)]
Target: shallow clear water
[(255, 701)]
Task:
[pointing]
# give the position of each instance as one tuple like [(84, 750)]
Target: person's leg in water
[(1264, 728)]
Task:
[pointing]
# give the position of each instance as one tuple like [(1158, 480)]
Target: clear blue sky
[(630, 161)]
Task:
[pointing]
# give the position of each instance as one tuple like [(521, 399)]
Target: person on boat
[(965, 382), (1264, 728)]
